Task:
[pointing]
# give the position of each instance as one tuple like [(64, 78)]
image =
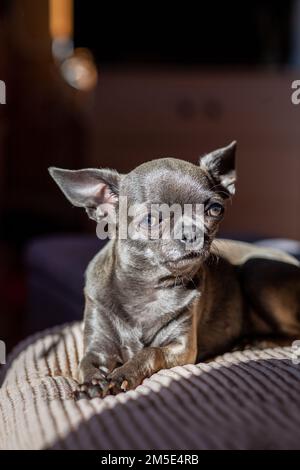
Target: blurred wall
[(139, 114), (43, 121), (145, 114)]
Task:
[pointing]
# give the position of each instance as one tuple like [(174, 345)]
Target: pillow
[(242, 400)]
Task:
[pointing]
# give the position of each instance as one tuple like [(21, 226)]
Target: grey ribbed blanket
[(242, 400)]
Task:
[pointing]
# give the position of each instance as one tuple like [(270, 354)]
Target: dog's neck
[(139, 272), (146, 293)]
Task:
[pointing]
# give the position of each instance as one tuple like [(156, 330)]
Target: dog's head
[(166, 211)]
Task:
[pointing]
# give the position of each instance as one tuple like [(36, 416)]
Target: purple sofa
[(55, 268)]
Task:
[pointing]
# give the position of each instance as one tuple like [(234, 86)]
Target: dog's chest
[(149, 307), (151, 313)]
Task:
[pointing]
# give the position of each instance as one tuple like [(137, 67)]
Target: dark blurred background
[(88, 85)]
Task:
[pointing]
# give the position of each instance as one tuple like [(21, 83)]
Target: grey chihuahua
[(153, 304)]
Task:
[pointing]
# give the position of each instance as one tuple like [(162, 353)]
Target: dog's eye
[(215, 210), (151, 220)]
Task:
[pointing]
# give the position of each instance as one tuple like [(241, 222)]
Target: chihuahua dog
[(154, 303)]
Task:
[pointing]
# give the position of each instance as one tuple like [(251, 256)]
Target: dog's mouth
[(185, 259)]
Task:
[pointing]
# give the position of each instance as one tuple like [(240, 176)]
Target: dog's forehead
[(167, 180)]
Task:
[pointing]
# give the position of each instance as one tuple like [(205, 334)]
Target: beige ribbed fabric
[(242, 400)]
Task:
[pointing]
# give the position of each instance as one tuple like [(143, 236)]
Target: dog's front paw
[(97, 388), (93, 381), (123, 378)]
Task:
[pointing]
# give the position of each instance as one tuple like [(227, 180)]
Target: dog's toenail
[(124, 385)]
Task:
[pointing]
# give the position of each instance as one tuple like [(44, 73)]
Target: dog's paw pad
[(97, 388), (120, 381), (78, 395)]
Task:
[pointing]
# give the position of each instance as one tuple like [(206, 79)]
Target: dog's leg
[(100, 355), (146, 362), (92, 375)]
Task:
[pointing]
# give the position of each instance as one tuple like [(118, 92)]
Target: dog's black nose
[(189, 235)]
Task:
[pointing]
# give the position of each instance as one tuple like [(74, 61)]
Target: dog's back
[(238, 253), (270, 282)]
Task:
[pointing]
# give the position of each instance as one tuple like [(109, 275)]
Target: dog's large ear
[(96, 190), (220, 165)]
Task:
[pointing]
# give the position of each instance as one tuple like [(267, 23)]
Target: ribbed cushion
[(243, 400)]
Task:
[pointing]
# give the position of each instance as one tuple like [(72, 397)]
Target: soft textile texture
[(242, 400)]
